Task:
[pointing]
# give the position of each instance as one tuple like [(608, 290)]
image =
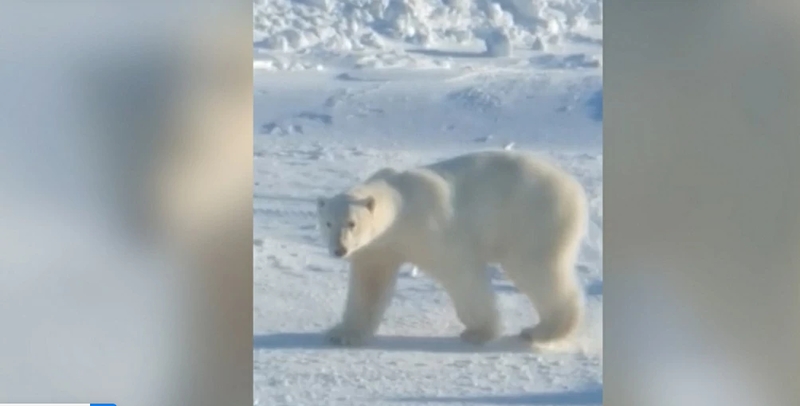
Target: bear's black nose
[(340, 252)]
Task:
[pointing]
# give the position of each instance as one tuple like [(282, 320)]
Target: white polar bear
[(451, 219)]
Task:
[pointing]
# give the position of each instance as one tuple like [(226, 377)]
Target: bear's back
[(500, 170)]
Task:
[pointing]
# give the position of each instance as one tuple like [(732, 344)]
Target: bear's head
[(346, 223)]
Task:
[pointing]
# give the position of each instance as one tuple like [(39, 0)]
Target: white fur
[(451, 219)]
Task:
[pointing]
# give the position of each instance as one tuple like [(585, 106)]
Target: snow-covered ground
[(343, 88)]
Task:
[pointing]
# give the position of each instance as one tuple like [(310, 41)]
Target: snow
[(302, 34), (343, 88)]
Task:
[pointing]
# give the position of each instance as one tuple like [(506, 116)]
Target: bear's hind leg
[(555, 292), (372, 282), (470, 289)]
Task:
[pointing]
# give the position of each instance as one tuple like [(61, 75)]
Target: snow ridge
[(327, 27)]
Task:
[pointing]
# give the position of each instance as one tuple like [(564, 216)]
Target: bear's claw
[(340, 335)]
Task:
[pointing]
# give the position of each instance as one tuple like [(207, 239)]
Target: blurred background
[(126, 209), (702, 230)]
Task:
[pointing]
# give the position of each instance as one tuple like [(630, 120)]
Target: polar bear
[(451, 219)]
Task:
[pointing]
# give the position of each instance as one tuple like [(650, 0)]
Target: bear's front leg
[(372, 282)]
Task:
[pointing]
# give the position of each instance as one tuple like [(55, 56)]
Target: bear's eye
[(328, 224), (351, 224)]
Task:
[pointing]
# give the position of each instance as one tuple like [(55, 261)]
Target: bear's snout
[(340, 252)]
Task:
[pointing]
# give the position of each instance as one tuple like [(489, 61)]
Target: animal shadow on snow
[(317, 341), (592, 396)]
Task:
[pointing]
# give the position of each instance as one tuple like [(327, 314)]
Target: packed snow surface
[(343, 88)]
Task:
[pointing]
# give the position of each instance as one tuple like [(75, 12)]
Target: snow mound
[(325, 29), (498, 44)]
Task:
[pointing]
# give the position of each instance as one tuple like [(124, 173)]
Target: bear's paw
[(480, 336), (345, 336)]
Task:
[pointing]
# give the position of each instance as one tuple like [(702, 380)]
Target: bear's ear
[(320, 202), (369, 202)]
